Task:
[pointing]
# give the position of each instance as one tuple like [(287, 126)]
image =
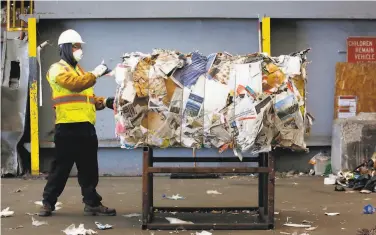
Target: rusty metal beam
[(205, 159), (223, 170), (209, 226), (265, 209)]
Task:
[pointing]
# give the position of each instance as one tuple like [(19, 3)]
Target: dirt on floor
[(297, 199)]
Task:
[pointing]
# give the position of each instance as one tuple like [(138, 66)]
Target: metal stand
[(261, 219)]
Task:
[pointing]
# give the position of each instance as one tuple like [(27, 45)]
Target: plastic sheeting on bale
[(248, 103), (13, 105)]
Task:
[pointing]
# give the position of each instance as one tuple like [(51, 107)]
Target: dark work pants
[(74, 143)]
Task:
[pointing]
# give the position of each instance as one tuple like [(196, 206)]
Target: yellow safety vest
[(71, 107)]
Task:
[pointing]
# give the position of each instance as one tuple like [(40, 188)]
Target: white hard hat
[(69, 36)]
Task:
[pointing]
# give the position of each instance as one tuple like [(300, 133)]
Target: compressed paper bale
[(207, 118)]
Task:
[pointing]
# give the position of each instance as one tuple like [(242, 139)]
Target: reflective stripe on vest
[(73, 99)]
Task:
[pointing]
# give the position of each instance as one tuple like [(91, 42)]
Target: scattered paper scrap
[(132, 215), (80, 230), (276, 213), (367, 199), (203, 233), (311, 228), (38, 223), (298, 225), (40, 203), (57, 208), (174, 212), (174, 197), (18, 190), (215, 192), (177, 221), (332, 214), (18, 227), (6, 213), (103, 226), (28, 213), (285, 233), (307, 222)]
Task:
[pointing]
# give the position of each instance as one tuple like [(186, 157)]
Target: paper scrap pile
[(248, 103)]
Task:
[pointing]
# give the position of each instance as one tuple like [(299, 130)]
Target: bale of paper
[(250, 103)]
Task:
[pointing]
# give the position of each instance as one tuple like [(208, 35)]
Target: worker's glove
[(101, 70), (109, 101)]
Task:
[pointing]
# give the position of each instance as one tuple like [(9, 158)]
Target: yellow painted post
[(33, 92), (266, 45)]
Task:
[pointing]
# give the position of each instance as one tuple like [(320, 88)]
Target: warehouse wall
[(206, 9)]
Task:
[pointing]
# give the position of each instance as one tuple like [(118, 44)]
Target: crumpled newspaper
[(177, 221), (38, 223), (6, 213), (103, 226), (80, 230)]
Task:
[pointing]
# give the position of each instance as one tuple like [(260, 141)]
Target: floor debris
[(285, 233), (37, 223), (307, 222), (215, 192), (80, 230), (332, 214), (6, 213), (369, 209), (40, 203), (132, 215), (276, 213), (174, 197), (298, 225), (202, 233), (18, 227), (103, 226), (18, 190), (365, 231), (28, 213), (177, 221), (311, 228)]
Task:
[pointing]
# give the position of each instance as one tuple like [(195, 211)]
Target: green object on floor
[(328, 169)]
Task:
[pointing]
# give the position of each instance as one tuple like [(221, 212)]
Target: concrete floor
[(303, 198)]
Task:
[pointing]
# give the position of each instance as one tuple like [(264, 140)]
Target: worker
[(75, 137)]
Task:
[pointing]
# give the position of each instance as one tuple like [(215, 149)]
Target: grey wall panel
[(205, 9), (326, 38), (109, 39)]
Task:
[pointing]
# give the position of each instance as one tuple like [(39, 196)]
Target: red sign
[(361, 49)]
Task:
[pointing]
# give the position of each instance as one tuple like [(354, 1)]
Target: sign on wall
[(361, 49), (347, 106)]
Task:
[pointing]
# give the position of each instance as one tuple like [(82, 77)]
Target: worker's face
[(77, 51)]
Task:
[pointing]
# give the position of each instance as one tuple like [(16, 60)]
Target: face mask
[(77, 55)]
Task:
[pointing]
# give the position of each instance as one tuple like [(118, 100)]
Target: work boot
[(45, 210), (99, 210)]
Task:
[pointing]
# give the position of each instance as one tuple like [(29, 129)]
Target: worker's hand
[(101, 70), (109, 102)]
